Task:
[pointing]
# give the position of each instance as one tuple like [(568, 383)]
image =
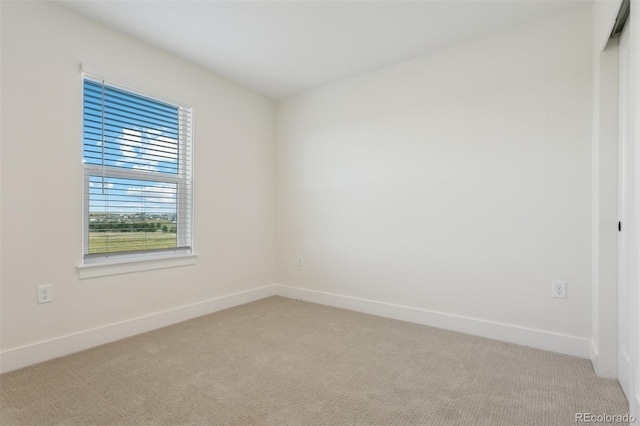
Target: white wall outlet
[(559, 290), (45, 293), (299, 260)]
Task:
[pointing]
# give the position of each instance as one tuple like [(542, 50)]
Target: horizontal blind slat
[(95, 102)]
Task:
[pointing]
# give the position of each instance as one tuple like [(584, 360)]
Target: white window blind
[(137, 155)]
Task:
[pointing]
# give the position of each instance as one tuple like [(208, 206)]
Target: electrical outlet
[(299, 260), (559, 290), (45, 293)]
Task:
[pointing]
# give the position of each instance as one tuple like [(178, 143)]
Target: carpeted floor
[(281, 361)]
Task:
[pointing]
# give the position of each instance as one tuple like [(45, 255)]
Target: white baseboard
[(604, 368), (628, 384), (634, 406), (626, 380), (23, 356), (593, 352), (540, 339), (593, 355)]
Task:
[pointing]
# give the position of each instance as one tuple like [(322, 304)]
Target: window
[(137, 175)]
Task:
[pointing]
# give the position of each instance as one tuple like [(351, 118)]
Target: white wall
[(42, 47), (605, 212), (605, 191), (457, 182)]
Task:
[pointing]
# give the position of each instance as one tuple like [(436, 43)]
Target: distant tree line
[(129, 227)]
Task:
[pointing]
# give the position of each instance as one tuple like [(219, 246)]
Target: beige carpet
[(281, 361)]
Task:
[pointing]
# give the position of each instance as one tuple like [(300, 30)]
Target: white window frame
[(116, 263)]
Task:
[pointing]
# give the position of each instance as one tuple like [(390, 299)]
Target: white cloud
[(160, 147), (166, 145), (147, 165), (98, 185), (134, 136), (147, 149), (133, 142), (160, 188), (161, 200)]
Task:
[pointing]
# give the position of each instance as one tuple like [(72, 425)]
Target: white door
[(628, 237)]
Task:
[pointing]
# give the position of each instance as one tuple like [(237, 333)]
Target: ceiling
[(280, 48)]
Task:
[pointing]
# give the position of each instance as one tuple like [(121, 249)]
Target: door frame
[(629, 212)]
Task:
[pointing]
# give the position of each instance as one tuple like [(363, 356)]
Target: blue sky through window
[(129, 131)]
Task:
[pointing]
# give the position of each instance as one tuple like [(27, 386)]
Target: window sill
[(135, 265)]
